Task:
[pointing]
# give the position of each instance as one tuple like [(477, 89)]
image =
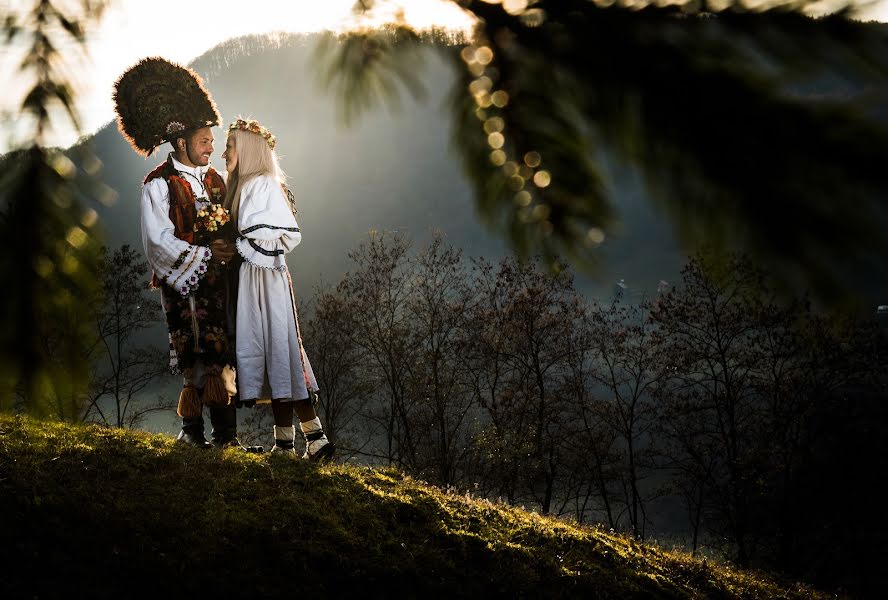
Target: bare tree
[(627, 367), (808, 358), (522, 322), (593, 453), (123, 370), (376, 294), (715, 330), (335, 358), (756, 383), (437, 306), (488, 374)]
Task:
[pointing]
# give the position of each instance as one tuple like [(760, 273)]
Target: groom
[(156, 102)]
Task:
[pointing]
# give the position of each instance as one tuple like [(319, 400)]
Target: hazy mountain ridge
[(389, 171)]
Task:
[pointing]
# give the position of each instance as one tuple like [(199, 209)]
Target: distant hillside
[(389, 171), (100, 513)]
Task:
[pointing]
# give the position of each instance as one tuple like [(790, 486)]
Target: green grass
[(107, 512)]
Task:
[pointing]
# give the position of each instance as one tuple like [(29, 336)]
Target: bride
[(271, 363)]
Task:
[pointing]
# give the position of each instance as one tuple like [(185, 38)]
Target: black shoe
[(193, 438), (224, 422)]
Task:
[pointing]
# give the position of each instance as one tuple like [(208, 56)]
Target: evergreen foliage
[(753, 128), (50, 250)]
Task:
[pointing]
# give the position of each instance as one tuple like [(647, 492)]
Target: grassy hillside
[(104, 512)]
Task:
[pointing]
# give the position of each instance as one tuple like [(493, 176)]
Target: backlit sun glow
[(182, 31)]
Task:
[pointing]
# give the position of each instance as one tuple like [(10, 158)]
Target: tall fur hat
[(157, 100)]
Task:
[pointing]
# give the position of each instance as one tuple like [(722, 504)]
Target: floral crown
[(253, 126)]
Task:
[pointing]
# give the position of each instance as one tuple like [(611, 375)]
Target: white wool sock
[(283, 440), (285, 434), (311, 426)]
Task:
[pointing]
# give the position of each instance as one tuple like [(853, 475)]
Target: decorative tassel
[(214, 392), (189, 403)]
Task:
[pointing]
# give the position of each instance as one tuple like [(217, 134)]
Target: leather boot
[(224, 421), (193, 433)]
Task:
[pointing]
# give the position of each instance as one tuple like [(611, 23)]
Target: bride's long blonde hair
[(254, 158)]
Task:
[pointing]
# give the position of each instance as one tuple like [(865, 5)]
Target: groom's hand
[(222, 251)]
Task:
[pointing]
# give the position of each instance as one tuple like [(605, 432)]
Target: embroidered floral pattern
[(217, 195), (180, 260), (197, 274)]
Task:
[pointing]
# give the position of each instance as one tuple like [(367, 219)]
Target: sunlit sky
[(183, 30)]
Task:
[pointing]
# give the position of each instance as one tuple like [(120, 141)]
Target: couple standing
[(217, 249)]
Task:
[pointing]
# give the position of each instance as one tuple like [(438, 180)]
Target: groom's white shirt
[(178, 263)]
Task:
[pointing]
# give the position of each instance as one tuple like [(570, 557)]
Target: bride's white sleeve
[(268, 228)]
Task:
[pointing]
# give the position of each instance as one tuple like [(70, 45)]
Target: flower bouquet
[(211, 223)]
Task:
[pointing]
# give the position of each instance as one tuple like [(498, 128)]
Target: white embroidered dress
[(270, 360)]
